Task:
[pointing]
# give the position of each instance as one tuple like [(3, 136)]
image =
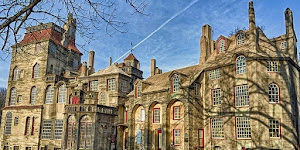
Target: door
[(159, 140)]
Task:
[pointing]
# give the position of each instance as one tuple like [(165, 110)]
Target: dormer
[(175, 81), (240, 37), (222, 44), (138, 88)]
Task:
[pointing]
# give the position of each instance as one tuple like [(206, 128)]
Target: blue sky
[(176, 45)]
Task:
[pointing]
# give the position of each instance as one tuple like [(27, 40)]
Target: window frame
[(94, 85), (220, 100), (33, 96), (218, 128), (240, 38), (27, 126), (58, 129), (111, 84), (283, 45), (138, 90), (143, 115), (200, 138), (214, 74), (218, 46), (49, 95), (279, 129), (174, 116), (243, 67), (35, 71), (270, 66), (102, 98), (62, 94), (272, 102), (154, 121), (15, 73), (236, 129), (38, 47), (175, 137), (14, 96), (46, 129), (8, 123), (235, 97), (175, 83)]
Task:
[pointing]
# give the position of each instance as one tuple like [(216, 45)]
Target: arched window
[(13, 96), (71, 132), (15, 75), (102, 98), (49, 95), (33, 95), (27, 126), (85, 135), (8, 122), (240, 65), (274, 93), (221, 46), (62, 94), (240, 39), (35, 71), (175, 83)]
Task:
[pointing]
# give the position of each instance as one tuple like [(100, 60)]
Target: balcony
[(55, 78), (84, 108)]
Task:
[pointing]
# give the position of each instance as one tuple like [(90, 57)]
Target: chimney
[(252, 26), (84, 69), (91, 59), (153, 67), (205, 43), (289, 22), (110, 61)]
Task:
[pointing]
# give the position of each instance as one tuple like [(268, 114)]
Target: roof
[(160, 82), (113, 69), (130, 57), (49, 34)]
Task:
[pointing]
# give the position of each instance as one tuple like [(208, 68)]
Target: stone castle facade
[(243, 94)]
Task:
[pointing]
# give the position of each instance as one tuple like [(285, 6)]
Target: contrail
[(161, 26)]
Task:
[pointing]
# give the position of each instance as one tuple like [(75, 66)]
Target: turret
[(70, 31)]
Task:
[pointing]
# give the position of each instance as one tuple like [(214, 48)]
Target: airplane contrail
[(161, 26)]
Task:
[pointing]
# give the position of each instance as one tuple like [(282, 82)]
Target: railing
[(91, 108), (55, 78)]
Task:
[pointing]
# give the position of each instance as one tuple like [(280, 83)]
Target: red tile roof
[(130, 57), (49, 34)]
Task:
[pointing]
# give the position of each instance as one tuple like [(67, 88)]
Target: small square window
[(214, 74), (272, 66), (283, 45)]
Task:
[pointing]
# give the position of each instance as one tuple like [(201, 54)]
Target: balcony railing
[(91, 108)]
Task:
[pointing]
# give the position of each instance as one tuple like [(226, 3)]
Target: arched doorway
[(175, 125), (155, 126)]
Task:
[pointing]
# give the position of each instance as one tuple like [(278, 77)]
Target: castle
[(242, 95)]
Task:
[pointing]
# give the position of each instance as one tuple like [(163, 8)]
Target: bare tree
[(91, 15)]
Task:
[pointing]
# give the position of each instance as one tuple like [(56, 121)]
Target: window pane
[(241, 95), (58, 129), (243, 127), (217, 128), (49, 95), (46, 129)]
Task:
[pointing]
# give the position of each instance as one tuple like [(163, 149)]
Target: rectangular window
[(16, 147), (58, 129), (197, 89), (19, 100), (176, 137), (124, 86), (216, 97), (243, 128), (28, 148), (241, 96), (139, 137), (6, 148), (46, 129), (217, 128), (156, 115), (111, 84), (272, 66), (274, 128), (38, 47), (142, 115), (139, 90), (176, 112), (94, 86), (283, 45), (201, 138), (214, 74), (102, 99)]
